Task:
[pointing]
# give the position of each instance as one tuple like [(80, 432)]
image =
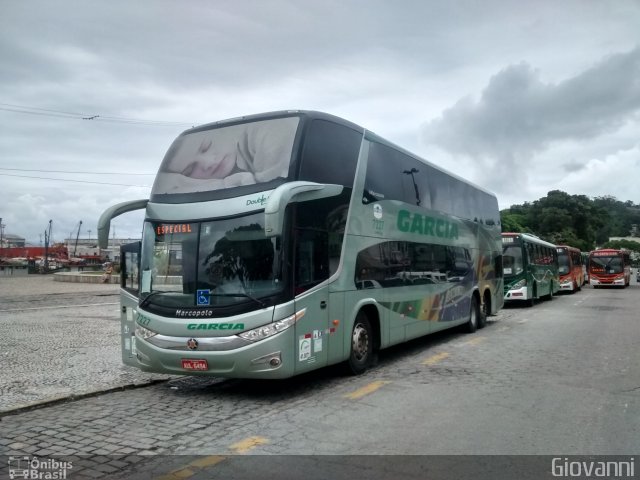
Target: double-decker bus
[(530, 267), (609, 267), (278, 243), (570, 268)]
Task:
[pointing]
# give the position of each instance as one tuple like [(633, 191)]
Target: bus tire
[(474, 314), (485, 311), (361, 355), (549, 296), (532, 301)]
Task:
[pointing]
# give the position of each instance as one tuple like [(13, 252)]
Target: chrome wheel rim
[(360, 342)]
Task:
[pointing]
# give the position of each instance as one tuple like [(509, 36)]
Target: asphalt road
[(558, 379)]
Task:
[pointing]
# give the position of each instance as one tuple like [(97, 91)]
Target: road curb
[(73, 398)]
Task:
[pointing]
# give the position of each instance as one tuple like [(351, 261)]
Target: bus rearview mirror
[(293, 192)]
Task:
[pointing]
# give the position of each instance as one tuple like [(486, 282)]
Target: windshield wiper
[(146, 299), (244, 295)]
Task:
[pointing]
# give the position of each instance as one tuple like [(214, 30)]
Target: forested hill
[(575, 220)]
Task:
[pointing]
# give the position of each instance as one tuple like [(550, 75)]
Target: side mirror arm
[(298, 191), (104, 224)]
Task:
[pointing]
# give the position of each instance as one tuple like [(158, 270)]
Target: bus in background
[(609, 267), (585, 267), (278, 243), (570, 268), (530, 267)]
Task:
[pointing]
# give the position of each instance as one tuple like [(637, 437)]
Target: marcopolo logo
[(257, 201)]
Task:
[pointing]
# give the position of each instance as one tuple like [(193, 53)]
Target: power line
[(76, 181), (9, 107), (67, 171)]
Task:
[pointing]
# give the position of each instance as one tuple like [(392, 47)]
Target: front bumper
[(521, 293)]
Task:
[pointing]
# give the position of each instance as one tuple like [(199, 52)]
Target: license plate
[(193, 364)]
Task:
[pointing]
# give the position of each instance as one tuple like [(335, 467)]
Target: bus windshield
[(512, 260), (564, 266), (227, 156), (209, 264), (609, 264)]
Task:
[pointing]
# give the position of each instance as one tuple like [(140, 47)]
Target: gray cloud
[(519, 115), (384, 65)]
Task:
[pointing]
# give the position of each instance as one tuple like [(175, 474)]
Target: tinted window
[(394, 175), (330, 153), (391, 264), (323, 222)]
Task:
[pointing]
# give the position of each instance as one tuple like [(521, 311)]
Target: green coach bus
[(278, 243), (530, 268)]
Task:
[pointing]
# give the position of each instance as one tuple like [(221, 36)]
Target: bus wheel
[(474, 313), (532, 301), (485, 311), (361, 345), (549, 296)]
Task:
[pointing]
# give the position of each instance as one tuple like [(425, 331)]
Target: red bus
[(609, 267), (570, 268)]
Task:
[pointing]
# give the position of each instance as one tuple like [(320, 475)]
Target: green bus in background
[(279, 243), (530, 268)]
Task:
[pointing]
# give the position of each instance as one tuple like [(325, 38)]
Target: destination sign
[(169, 228), (604, 254)]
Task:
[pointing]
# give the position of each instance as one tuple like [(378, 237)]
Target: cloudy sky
[(518, 97)]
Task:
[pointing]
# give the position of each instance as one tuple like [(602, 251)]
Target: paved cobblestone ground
[(59, 340), (556, 378)]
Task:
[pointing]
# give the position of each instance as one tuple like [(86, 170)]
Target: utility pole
[(47, 239), (1, 232), (77, 236)]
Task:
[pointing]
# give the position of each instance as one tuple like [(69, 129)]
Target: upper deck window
[(228, 156)]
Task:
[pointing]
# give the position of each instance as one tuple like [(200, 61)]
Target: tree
[(575, 220)]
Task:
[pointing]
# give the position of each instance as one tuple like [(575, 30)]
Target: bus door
[(311, 269), (129, 292)]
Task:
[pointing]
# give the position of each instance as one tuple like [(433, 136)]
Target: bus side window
[(311, 260)]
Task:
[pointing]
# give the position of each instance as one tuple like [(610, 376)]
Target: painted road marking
[(433, 359), (475, 341), (503, 329), (366, 390), (247, 444), (192, 468)]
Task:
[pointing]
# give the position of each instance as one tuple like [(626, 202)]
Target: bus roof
[(569, 247), (313, 114), (310, 114), (529, 238)]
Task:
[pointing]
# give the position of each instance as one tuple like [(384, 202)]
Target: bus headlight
[(519, 284), (144, 333), (271, 329)]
